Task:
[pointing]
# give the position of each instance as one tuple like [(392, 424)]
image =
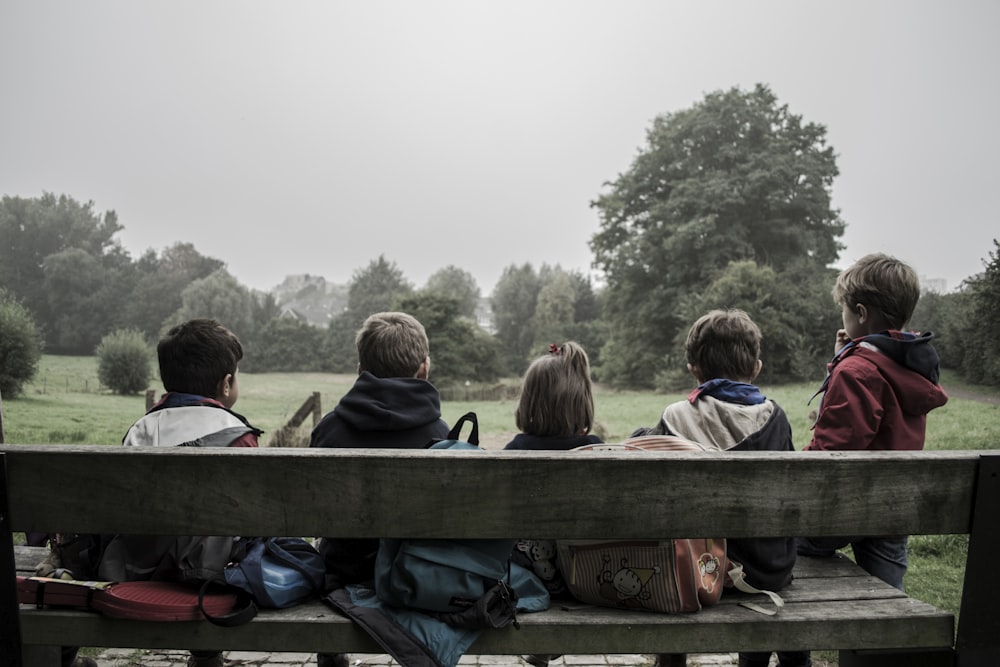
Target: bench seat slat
[(315, 627)]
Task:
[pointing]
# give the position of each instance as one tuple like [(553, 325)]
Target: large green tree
[(64, 264), (735, 177)]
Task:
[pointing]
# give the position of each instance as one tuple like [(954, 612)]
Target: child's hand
[(842, 340)]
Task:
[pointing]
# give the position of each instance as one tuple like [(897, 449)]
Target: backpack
[(466, 583), (268, 572), (674, 575)]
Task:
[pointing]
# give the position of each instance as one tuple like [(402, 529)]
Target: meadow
[(65, 404)]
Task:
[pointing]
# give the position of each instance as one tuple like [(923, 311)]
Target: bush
[(124, 362), (20, 346)]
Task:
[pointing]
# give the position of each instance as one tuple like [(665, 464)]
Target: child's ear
[(225, 386), (756, 370), (862, 311), (424, 372)]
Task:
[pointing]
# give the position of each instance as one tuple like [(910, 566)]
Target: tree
[(514, 299), (460, 350), (375, 288), (457, 284), (981, 360), (34, 237), (123, 362), (793, 308), (221, 297), (20, 345), (287, 345), (160, 281), (735, 177)]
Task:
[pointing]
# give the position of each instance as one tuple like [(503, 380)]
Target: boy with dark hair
[(199, 366), (727, 412), (392, 404), (881, 384)]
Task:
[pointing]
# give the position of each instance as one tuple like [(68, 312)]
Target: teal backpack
[(467, 583)]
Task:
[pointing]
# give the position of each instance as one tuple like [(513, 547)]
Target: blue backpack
[(466, 583)]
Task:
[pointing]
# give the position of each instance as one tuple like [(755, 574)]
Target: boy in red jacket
[(881, 384)]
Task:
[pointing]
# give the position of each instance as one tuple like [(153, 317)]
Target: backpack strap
[(242, 613), (739, 581)]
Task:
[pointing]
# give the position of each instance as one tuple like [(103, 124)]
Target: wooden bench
[(451, 494)]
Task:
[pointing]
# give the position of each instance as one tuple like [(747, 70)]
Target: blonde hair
[(391, 345), (557, 397), (724, 344), (882, 283)]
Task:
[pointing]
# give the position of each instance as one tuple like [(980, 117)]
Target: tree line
[(728, 204)]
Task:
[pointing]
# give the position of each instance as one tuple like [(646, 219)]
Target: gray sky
[(312, 136)]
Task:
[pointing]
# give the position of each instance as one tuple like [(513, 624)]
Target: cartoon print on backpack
[(710, 570), (627, 586)]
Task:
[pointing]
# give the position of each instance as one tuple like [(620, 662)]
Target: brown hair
[(557, 397), (724, 344), (392, 345), (196, 355), (881, 283)]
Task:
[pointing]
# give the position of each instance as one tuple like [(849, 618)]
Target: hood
[(914, 375), (389, 404)]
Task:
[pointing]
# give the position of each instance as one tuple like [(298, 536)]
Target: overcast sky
[(310, 137)]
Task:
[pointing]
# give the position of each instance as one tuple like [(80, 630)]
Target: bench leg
[(10, 616), (902, 658)]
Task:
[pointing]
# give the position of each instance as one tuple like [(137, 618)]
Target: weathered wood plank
[(368, 493), (313, 627)]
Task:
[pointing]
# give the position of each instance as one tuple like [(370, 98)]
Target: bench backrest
[(402, 493)]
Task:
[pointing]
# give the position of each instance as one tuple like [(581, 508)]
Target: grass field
[(66, 405)]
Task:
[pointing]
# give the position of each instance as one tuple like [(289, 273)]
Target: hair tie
[(555, 349)]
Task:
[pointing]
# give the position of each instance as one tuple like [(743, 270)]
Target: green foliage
[(514, 298), (791, 305), (959, 319), (460, 351), (375, 289), (982, 359), (285, 345), (736, 177), (124, 362), (458, 284), (159, 285), (221, 297), (532, 310), (20, 345), (63, 263)]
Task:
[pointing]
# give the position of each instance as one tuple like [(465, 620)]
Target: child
[(392, 404), (199, 367), (555, 412), (556, 407), (881, 385), (727, 412)]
